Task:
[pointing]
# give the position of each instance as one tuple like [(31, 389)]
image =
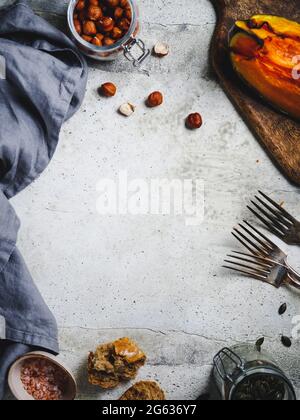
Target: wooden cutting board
[(279, 134)]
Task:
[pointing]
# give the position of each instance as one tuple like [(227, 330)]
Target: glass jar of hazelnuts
[(105, 29)]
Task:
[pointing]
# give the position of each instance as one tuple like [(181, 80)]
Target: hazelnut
[(108, 90), (100, 37), (124, 24), (78, 27), (94, 13), (116, 33), (106, 24), (108, 41), (128, 13), (194, 121), (112, 3), (161, 49), (94, 2), (89, 28), (80, 5), (96, 41), (124, 3), (155, 99), (127, 109), (87, 38), (118, 13)]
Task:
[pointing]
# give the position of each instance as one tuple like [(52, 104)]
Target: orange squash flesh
[(264, 52)]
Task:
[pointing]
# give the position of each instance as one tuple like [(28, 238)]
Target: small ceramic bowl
[(16, 385)]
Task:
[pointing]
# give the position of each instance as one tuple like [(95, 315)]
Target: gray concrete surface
[(152, 277)]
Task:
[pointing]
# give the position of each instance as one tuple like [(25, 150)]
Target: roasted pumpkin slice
[(265, 52)]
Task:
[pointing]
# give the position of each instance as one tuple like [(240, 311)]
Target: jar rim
[(106, 49)]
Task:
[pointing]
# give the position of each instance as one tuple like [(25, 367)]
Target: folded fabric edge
[(48, 343)]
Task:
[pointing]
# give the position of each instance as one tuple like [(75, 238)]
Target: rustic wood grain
[(279, 134)]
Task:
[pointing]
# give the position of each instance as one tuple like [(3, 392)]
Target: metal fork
[(261, 268), (277, 219), (261, 246)]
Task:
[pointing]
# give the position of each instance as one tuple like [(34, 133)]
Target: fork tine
[(261, 251), (282, 210), (276, 213), (266, 260), (248, 273), (254, 261), (265, 222), (274, 221), (244, 243), (264, 244), (255, 269), (261, 234)]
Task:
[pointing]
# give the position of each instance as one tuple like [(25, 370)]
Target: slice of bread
[(144, 390), (115, 362)]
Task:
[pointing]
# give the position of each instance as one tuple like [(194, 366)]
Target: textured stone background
[(151, 277)]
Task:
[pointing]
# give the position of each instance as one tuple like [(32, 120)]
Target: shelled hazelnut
[(111, 18), (194, 121), (80, 5), (108, 90), (106, 24), (96, 41), (78, 26), (155, 99), (112, 3), (124, 24), (94, 12), (118, 13), (116, 33), (89, 28), (108, 41)]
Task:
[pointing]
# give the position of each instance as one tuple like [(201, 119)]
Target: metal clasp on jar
[(219, 363), (135, 51)]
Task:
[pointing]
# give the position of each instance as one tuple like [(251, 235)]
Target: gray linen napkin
[(44, 86)]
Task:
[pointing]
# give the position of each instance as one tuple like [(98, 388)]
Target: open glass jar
[(129, 45), (243, 373)]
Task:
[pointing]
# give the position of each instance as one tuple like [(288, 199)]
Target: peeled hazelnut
[(161, 49), (100, 37), (194, 121), (108, 90), (87, 38), (112, 3), (89, 28), (127, 109), (124, 24), (80, 5), (78, 27), (108, 41), (155, 99), (124, 3), (106, 24), (128, 13), (118, 13), (94, 13), (96, 41), (116, 33)]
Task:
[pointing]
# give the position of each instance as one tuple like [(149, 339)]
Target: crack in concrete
[(168, 332)]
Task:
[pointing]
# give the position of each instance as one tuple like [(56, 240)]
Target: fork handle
[(293, 281), (294, 273)]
